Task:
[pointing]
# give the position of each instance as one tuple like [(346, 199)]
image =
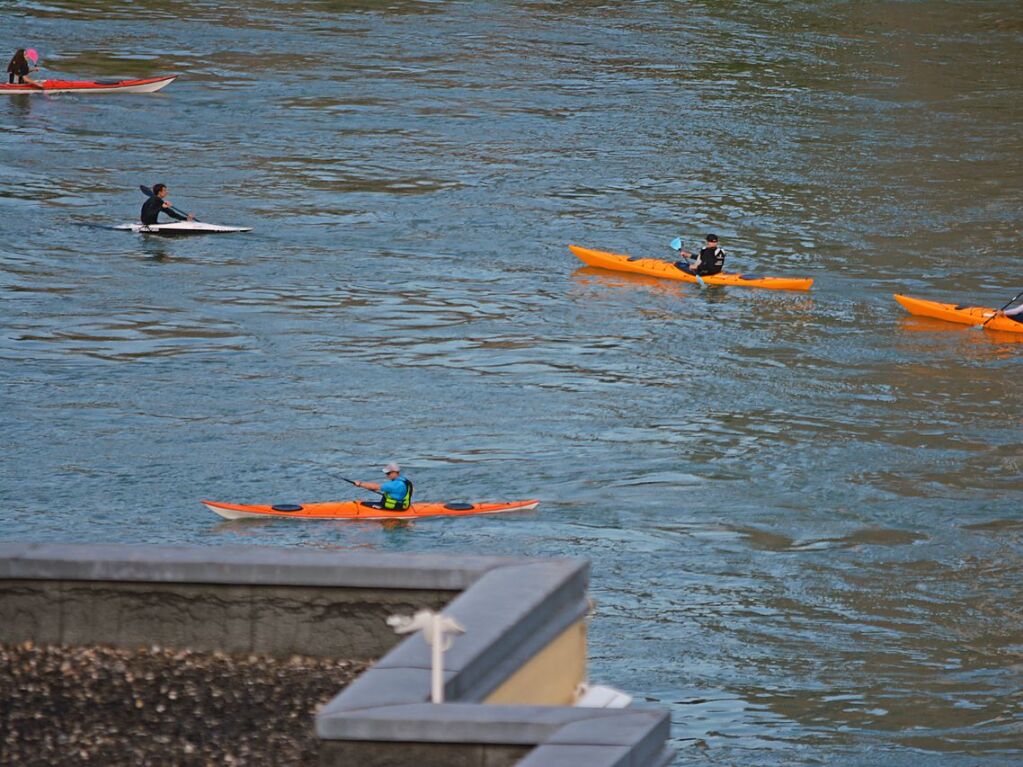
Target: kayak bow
[(655, 267), (363, 510), (147, 85), (961, 314)]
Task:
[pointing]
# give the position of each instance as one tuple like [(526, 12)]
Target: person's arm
[(169, 210), (368, 485)]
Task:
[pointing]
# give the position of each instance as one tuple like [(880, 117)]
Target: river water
[(802, 510)]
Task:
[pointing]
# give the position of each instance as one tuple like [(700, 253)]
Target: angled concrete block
[(375, 689), (579, 756), (450, 722), (642, 731)]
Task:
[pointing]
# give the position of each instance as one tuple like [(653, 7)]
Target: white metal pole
[(438, 658)]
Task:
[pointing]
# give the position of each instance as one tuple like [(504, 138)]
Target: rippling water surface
[(802, 510)]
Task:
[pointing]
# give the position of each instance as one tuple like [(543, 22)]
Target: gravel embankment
[(153, 706)]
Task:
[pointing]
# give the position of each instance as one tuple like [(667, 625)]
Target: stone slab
[(470, 722), (579, 756), (384, 687), (593, 756)]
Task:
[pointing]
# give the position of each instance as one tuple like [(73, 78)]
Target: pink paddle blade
[(32, 55)]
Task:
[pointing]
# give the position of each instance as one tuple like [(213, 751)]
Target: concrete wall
[(277, 620), (524, 642)]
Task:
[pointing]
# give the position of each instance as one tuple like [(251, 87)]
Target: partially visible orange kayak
[(964, 315), (362, 510), (655, 267)]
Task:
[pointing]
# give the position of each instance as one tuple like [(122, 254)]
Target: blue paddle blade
[(676, 244)]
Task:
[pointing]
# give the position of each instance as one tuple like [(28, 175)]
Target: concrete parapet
[(510, 679)]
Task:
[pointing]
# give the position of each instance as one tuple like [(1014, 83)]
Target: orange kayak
[(964, 315), (655, 267), (362, 510)]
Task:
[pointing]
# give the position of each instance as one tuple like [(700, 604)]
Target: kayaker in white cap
[(396, 492)]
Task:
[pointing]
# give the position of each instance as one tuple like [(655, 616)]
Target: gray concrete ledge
[(558, 736), (510, 725), (243, 565)]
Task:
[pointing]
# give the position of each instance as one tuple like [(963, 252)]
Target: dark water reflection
[(802, 510)]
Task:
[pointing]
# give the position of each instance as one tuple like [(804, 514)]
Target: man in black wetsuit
[(710, 260), (152, 206)]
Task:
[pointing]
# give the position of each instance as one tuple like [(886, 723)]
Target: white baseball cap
[(392, 467)]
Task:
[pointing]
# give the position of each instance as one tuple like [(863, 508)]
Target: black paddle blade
[(146, 190)]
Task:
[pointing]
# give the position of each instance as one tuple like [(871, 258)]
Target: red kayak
[(363, 510), (148, 85)]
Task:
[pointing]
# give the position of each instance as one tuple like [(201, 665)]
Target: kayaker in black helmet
[(710, 260), (19, 67), (153, 205), (396, 491)]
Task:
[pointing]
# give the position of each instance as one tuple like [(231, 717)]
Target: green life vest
[(401, 505)]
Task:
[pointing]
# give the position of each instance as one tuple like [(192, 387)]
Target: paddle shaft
[(1002, 309), (351, 482), (678, 240), (149, 193)]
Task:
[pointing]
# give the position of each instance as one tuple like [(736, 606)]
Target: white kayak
[(182, 227)]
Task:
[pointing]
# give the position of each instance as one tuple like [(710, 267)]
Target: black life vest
[(712, 261)]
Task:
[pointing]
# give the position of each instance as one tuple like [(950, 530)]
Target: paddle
[(350, 482), (676, 244), (149, 193), (1001, 310)]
